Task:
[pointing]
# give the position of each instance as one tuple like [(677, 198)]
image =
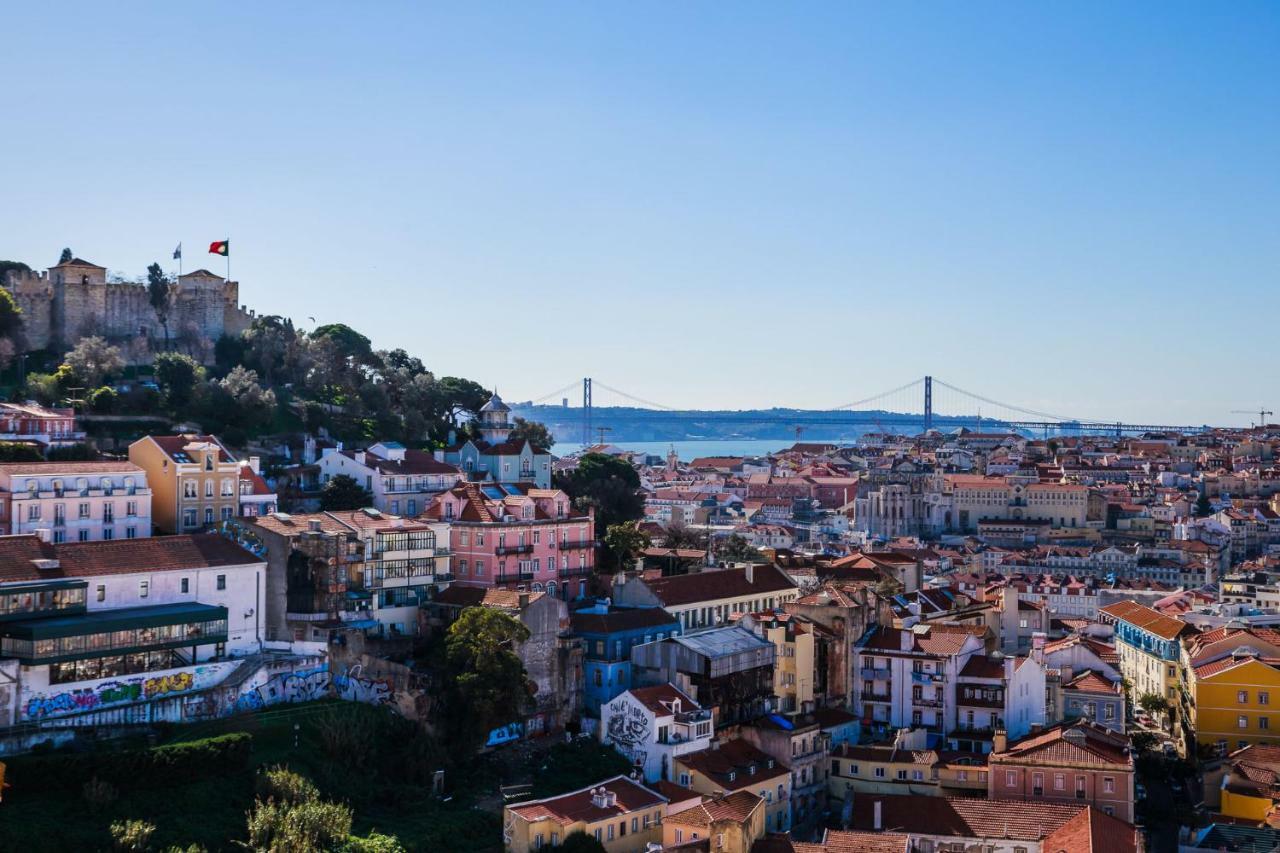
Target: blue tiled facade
[(606, 665)]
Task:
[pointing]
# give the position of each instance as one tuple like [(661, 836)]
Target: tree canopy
[(485, 681), (608, 485), (624, 541), (343, 492), (533, 432)]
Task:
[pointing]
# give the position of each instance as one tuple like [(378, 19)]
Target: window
[(102, 592), (902, 775), (208, 488), (1108, 785), (189, 488), (208, 515), (186, 585), (1059, 781), (188, 518), (222, 581), (1263, 723), (917, 775), (1264, 698), (879, 772), (1242, 722), (82, 535), (1010, 778), (131, 533), (144, 589), (1242, 696)]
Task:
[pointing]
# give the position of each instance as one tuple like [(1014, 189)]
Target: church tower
[(495, 427), (673, 461)]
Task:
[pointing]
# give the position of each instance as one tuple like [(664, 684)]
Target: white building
[(100, 630), (653, 726), (402, 481), (75, 501)]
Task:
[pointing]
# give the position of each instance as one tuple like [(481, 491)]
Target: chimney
[(1000, 741), (359, 455), (44, 534), (877, 816), (750, 572), (313, 525), (255, 464), (908, 640), (523, 598)]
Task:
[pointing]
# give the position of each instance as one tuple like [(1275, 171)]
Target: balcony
[(504, 550), (580, 572), (875, 697), (519, 577), (925, 702), (874, 674), (979, 702), (574, 546), (927, 677)]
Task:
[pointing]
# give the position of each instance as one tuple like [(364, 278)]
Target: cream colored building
[(621, 814), (793, 668), (970, 498), (729, 824), (194, 480)]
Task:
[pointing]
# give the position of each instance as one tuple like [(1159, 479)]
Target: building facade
[(194, 480), (75, 501)]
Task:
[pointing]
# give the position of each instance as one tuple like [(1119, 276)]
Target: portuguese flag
[(221, 247)]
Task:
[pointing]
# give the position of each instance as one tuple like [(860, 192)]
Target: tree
[(533, 432), (686, 537), (352, 345), (177, 375), (159, 293), (608, 485), (249, 405), (12, 266), (455, 397), (93, 360), (1153, 703), (44, 388), (131, 834), (485, 681), (292, 818), (624, 541), (738, 549), (1203, 507), (14, 451), (104, 401), (343, 492), (66, 255), (1143, 741), (10, 315), (580, 842)]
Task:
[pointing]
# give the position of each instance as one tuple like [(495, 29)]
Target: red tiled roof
[(1092, 831), (1147, 619), (736, 807), (659, 698), (718, 583), (736, 756), (966, 818), (620, 619), (172, 445), (578, 806), (71, 468), (852, 841), (118, 556), (932, 639), (1089, 681), (1069, 742)]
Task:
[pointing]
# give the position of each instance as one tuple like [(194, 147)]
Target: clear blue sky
[(1074, 207)]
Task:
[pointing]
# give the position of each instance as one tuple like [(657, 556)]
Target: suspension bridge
[(920, 405)]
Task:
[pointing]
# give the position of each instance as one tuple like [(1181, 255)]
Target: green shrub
[(281, 783), (162, 766), (131, 834)]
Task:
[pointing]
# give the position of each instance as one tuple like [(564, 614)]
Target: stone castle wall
[(58, 313)]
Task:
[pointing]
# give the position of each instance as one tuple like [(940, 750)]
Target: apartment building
[(608, 633), (402, 481), (730, 823), (194, 480), (653, 726), (75, 501), (737, 765), (1148, 643), (711, 597), (967, 499), (1232, 676), (1075, 762), (795, 664), (797, 740), (31, 422), (517, 537), (729, 670)]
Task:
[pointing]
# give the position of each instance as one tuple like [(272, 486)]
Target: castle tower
[(79, 298), (494, 425)]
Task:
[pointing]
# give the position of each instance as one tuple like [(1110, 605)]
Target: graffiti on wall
[(312, 683), (113, 692)]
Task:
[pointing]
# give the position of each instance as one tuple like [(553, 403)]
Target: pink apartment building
[(1079, 762), (515, 536)]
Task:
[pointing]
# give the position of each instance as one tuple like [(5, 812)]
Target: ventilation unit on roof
[(46, 565), (284, 516), (371, 512)]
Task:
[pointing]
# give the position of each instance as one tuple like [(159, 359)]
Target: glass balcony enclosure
[(108, 632)]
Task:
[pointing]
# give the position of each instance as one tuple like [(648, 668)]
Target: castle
[(74, 300)]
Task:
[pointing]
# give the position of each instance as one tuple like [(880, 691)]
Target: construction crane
[(1262, 413)]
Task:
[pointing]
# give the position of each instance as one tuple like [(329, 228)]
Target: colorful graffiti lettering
[(355, 688), (162, 685), (111, 692)]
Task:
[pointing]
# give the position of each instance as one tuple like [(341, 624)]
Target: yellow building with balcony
[(620, 813), (194, 479)]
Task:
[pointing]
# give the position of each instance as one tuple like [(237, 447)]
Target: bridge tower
[(586, 411), (928, 403)]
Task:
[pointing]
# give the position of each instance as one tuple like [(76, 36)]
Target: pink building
[(1079, 762), (518, 537)]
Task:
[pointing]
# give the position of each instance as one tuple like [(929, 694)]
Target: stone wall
[(58, 313)]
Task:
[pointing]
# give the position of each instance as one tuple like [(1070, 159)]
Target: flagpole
[(228, 260)]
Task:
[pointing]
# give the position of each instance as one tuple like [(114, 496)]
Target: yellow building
[(194, 480), (621, 814), (1149, 646), (974, 497), (1250, 788), (793, 668), (904, 767), (1234, 701), (737, 765), (730, 824)]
